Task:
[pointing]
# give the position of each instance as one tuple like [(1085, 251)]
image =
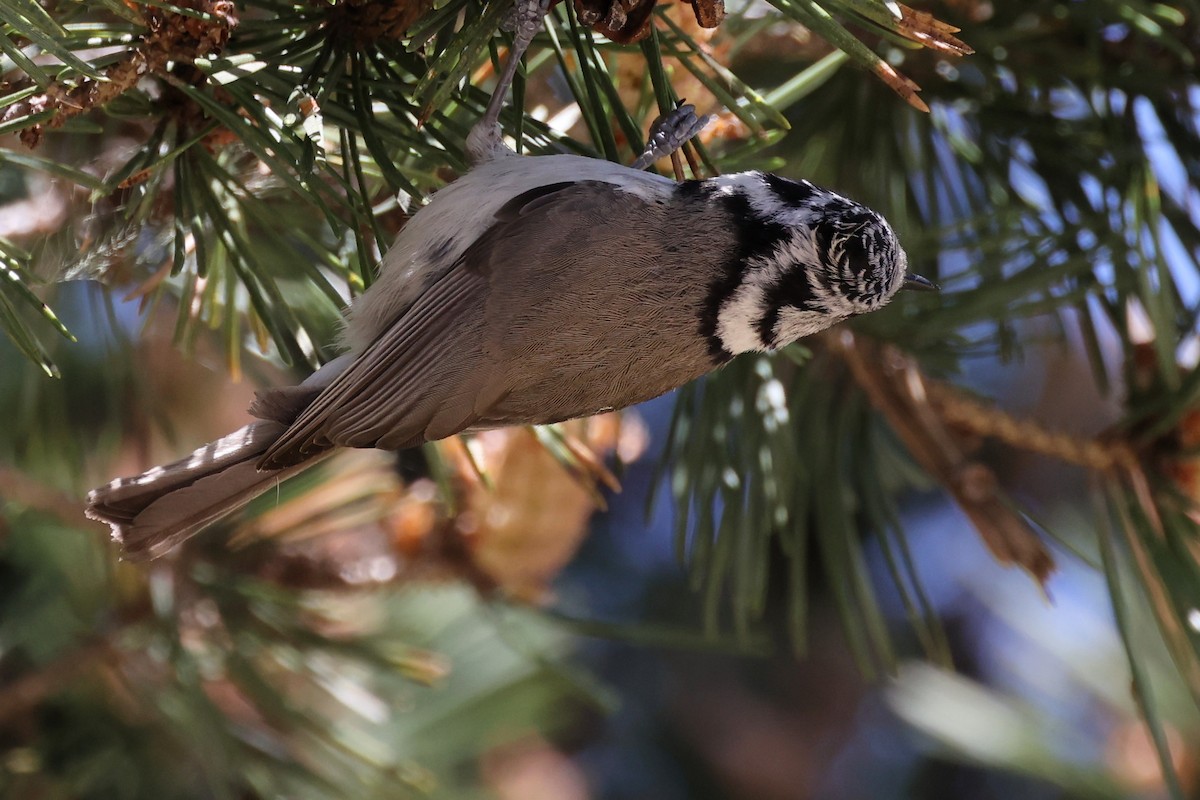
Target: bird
[(531, 290)]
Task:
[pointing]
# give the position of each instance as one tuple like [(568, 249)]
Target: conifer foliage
[(232, 173)]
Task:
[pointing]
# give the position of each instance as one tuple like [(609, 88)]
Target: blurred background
[(948, 551)]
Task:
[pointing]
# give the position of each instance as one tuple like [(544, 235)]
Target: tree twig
[(983, 419), (900, 391)]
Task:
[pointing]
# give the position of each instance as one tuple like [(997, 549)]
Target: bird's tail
[(152, 512)]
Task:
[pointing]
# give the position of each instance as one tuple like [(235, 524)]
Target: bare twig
[(984, 419), (900, 391)]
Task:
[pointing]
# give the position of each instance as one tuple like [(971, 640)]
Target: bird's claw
[(670, 133)]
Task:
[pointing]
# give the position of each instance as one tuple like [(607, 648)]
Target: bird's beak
[(919, 283)]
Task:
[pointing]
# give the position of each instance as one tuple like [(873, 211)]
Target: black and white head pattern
[(806, 258)]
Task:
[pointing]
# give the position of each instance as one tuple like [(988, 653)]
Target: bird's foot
[(524, 21), (670, 133), (485, 140)]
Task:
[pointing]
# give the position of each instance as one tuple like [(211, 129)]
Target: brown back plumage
[(577, 300)]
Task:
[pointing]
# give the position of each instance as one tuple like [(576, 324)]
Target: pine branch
[(982, 419), (897, 388), (195, 29), (274, 152), (327, 144)]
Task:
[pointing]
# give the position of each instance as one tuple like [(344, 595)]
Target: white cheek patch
[(741, 314), (740, 318), (795, 323), (737, 321)]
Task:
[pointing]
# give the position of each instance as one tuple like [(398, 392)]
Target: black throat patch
[(754, 235), (793, 289)]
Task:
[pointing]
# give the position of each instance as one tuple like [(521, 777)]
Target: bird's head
[(850, 255), (810, 258)]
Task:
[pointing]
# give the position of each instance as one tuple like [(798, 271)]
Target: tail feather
[(153, 512)]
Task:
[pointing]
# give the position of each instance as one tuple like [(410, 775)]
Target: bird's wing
[(431, 373), (390, 394)]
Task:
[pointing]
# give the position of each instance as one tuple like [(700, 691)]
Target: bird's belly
[(562, 380)]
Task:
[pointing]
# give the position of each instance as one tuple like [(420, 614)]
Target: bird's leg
[(485, 139), (670, 133)]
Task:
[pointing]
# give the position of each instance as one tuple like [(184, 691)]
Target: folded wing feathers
[(375, 394)]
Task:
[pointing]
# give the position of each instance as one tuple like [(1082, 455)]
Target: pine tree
[(233, 172)]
